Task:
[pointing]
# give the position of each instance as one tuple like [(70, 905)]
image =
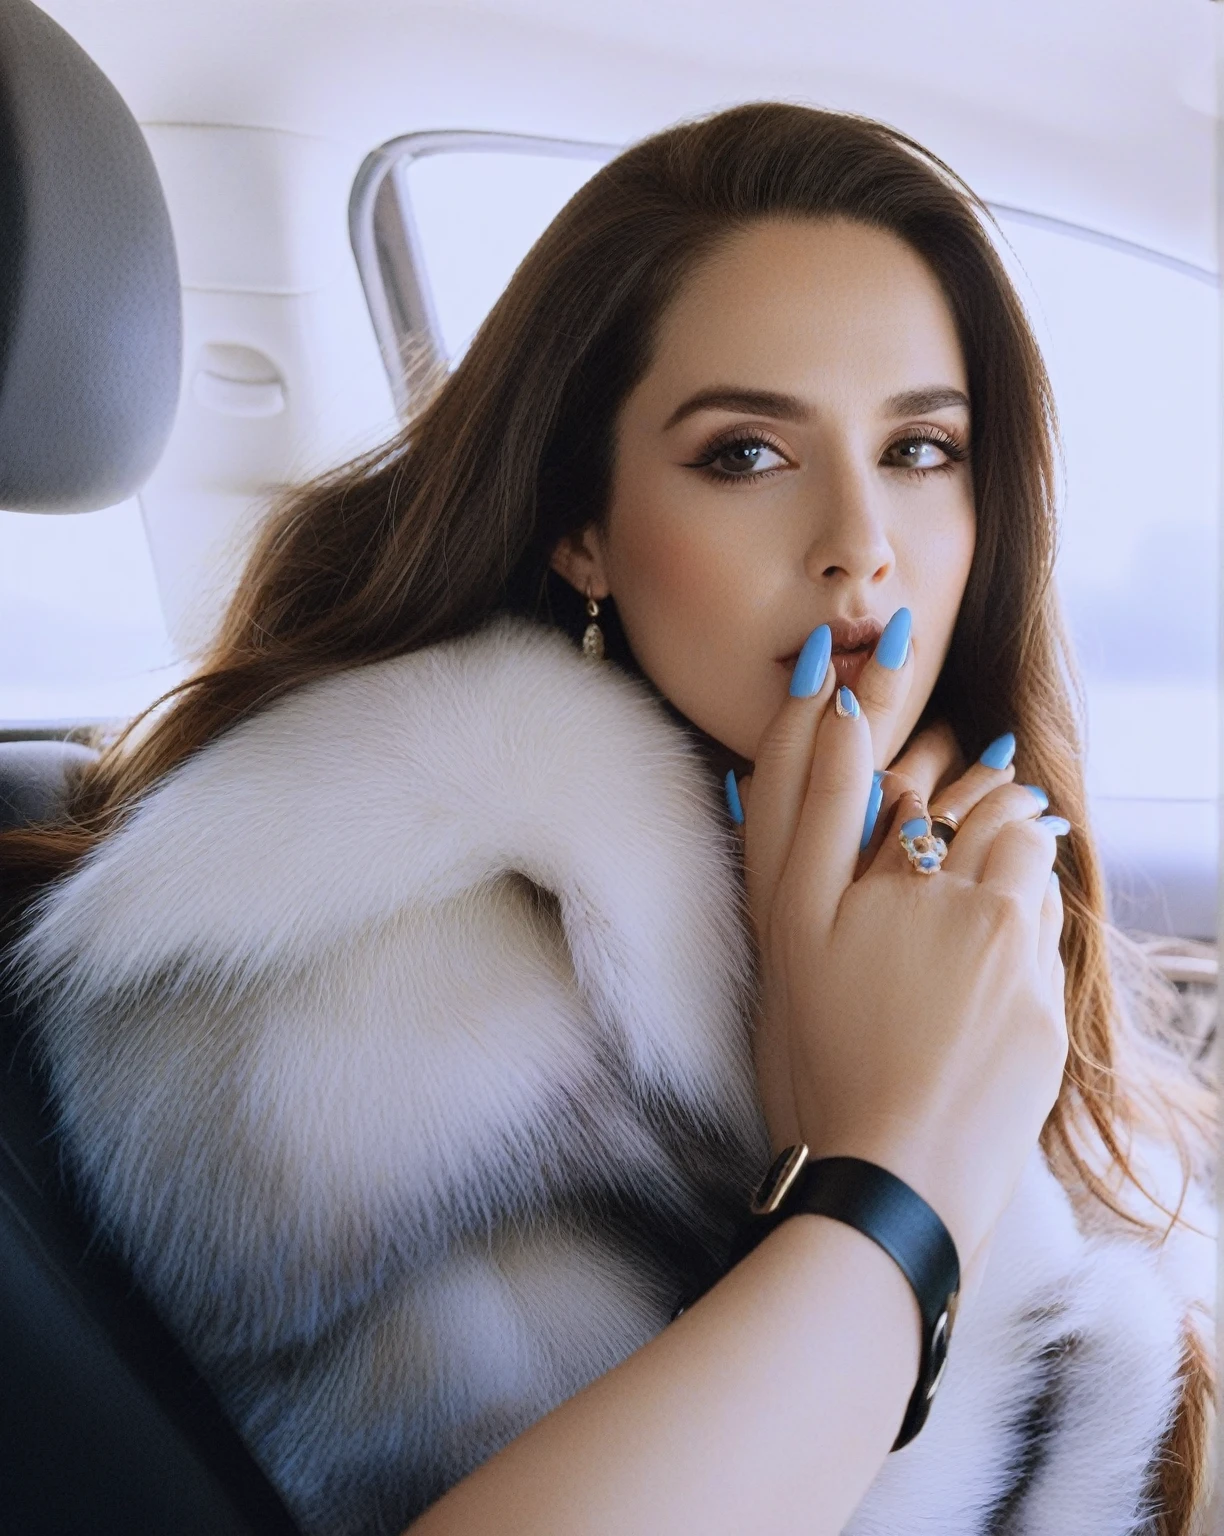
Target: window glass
[(476, 216), (82, 637), (1131, 347)]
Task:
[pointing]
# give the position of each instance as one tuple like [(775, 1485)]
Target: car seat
[(105, 1427)]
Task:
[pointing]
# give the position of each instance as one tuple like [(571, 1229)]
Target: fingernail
[(916, 827), (1000, 752), (893, 645), (1059, 825), (1039, 795), (733, 799), (812, 663), (846, 705), (874, 800)]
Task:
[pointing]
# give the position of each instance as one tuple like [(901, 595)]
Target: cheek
[(695, 607), (936, 560), (672, 576), (935, 568)]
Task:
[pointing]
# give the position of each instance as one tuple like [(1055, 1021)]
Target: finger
[(928, 760), (1019, 863), (931, 758), (1009, 803), (781, 771), (734, 789), (827, 840), (908, 808), (993, 768), (738, 794), (1050, 933), (875, 820), (884, 683)]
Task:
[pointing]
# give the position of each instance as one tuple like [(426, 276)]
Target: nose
[(849, 542)]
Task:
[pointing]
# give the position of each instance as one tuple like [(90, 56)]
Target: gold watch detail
[(776, 1184)]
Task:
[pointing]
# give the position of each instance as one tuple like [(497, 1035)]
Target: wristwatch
[(885, 1209)]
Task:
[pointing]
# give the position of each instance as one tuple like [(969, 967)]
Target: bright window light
[(1131, 347), (477, 215), (82, 637)]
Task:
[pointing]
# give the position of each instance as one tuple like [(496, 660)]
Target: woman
[(396, 992)]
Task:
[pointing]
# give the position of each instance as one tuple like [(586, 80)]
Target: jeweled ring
[(923, 849)]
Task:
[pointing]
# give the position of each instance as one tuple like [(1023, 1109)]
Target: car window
[(439, 221), (1130, 339), (82, 636), (477, 215)]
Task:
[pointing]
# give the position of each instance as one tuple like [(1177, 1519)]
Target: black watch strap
[(885, 1209)]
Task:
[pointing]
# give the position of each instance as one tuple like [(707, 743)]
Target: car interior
[(236, 239)]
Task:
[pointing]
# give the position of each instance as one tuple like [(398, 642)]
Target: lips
[(853, 642)]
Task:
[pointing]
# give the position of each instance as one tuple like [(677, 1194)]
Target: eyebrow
[(724, 397), (766, 402), (913, 402)]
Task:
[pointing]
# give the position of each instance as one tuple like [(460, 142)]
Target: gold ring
[(946, 820)]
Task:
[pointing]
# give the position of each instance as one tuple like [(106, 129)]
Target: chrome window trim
[(387, 247), (389, 258), (1111, 242)]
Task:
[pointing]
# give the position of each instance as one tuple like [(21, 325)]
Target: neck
[(717, 757)]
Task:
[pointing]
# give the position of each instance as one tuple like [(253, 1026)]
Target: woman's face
[(796, 455)]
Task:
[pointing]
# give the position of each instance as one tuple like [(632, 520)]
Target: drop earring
[(592, 636)]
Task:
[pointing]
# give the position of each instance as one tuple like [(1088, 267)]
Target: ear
[(579, 557)]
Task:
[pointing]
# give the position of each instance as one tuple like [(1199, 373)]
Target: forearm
[(769, 1405)]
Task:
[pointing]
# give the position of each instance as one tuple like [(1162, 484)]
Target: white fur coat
[(399, 1041)]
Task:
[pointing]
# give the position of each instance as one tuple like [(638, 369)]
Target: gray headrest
[(34, 779), (90, 315)]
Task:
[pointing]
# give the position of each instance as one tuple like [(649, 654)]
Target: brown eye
[(919, 453), (744, 459)]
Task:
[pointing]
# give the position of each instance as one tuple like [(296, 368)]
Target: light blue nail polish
[(733, 798), (1039, 795), (1059, 825), (812, 663), (893, 645), (874, 800), (1000, 752), (847, 704), (878, 775), (914, 828)]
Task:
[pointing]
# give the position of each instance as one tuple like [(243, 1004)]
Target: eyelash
[(956, 452), (736, 439)]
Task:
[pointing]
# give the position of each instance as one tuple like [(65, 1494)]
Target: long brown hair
[(456, 518)]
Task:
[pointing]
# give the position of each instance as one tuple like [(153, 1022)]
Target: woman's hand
[(913, 1020)]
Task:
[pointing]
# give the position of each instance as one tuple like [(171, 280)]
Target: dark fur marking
[(1034, 1430)]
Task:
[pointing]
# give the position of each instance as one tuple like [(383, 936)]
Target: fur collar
[(399, 1038)]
